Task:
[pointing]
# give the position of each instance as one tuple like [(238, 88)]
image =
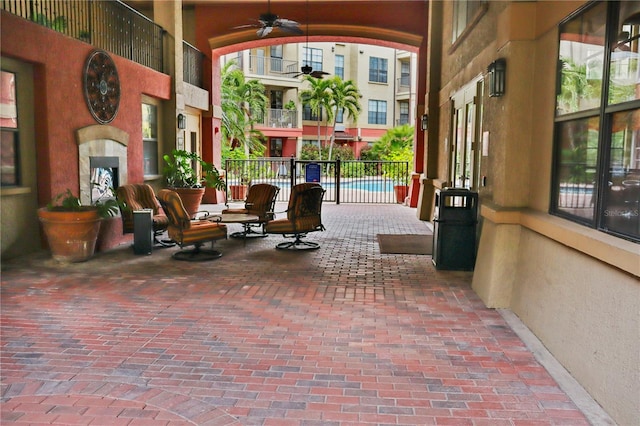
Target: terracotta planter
[(71, 235), (238, 192), (401, 192), (191, 199)]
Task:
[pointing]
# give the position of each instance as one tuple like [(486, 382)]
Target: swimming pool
[(369, 185)]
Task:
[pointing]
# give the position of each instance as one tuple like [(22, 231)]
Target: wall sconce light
[(497, 77), (424, 122), (182, 121)]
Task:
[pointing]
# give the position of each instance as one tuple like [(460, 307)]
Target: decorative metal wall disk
[(101, 86)]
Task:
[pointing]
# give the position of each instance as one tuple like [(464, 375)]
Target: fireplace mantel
[(100, 141)]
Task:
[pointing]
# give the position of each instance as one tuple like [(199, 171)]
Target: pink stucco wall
[(59, 102)]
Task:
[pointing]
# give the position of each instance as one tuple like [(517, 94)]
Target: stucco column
[(431, 107), (508, 120), (168, 14)]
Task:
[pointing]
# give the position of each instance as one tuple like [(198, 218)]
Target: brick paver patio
[(339, 336)]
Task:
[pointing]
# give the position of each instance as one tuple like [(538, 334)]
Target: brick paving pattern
[(338, 336)]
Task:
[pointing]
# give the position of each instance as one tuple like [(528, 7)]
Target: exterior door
[(260, 61), (192, 133), (464, 156), (276, 105), (275, 147)]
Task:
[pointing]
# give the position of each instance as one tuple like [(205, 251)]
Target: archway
[(400, 24)]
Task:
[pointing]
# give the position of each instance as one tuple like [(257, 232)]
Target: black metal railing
[(192, 64), (109, 25), (354, 181)]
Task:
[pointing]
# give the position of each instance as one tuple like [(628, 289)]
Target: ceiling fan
[(308, 69), (268, 21)]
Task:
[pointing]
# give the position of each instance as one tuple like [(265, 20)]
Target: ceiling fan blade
[(264, 31), (239, 27), (289, 26), (318, 74), (287, 22)]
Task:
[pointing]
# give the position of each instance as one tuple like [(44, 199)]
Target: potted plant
[(289, 113), (71, 228), (396, 146), (400, 177), (239, 192), (188, 174)]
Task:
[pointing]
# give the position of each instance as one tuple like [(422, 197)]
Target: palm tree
[(345, 97), (318, 97), (396, 145), (233, 120), (242, 101)]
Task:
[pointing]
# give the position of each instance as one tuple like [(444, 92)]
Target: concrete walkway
[(339, 336)]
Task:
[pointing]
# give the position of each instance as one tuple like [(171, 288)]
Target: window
[(257, 62), (465, 13), (307, 114), (404, 113), (596, 178), (339, 71), (275, 99), (150, 138), (340, 116), (377, 112), (312, 57), (9, 141), (405, 74), (276, 58), (239, 59), (377, 70)]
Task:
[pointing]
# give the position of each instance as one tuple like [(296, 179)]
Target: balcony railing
[(261, 65), (404, 119), (192, 64), (279, 118), (404, 84), (109, 25)]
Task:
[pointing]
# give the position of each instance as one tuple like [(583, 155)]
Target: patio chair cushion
[(303, 216), (182, 229), (260, 201), (138, 197)]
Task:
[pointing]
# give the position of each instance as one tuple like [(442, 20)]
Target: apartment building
[(385, 77)]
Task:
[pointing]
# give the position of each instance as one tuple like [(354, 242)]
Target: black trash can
[(454, 229), (143, 231)]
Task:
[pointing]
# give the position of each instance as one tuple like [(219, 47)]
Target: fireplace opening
[(103, 178)]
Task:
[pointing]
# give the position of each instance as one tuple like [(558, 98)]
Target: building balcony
[(279, 118), (272, 67), (403, 84), (109, 25)]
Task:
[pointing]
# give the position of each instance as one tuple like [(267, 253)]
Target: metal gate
[(372, 182)]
